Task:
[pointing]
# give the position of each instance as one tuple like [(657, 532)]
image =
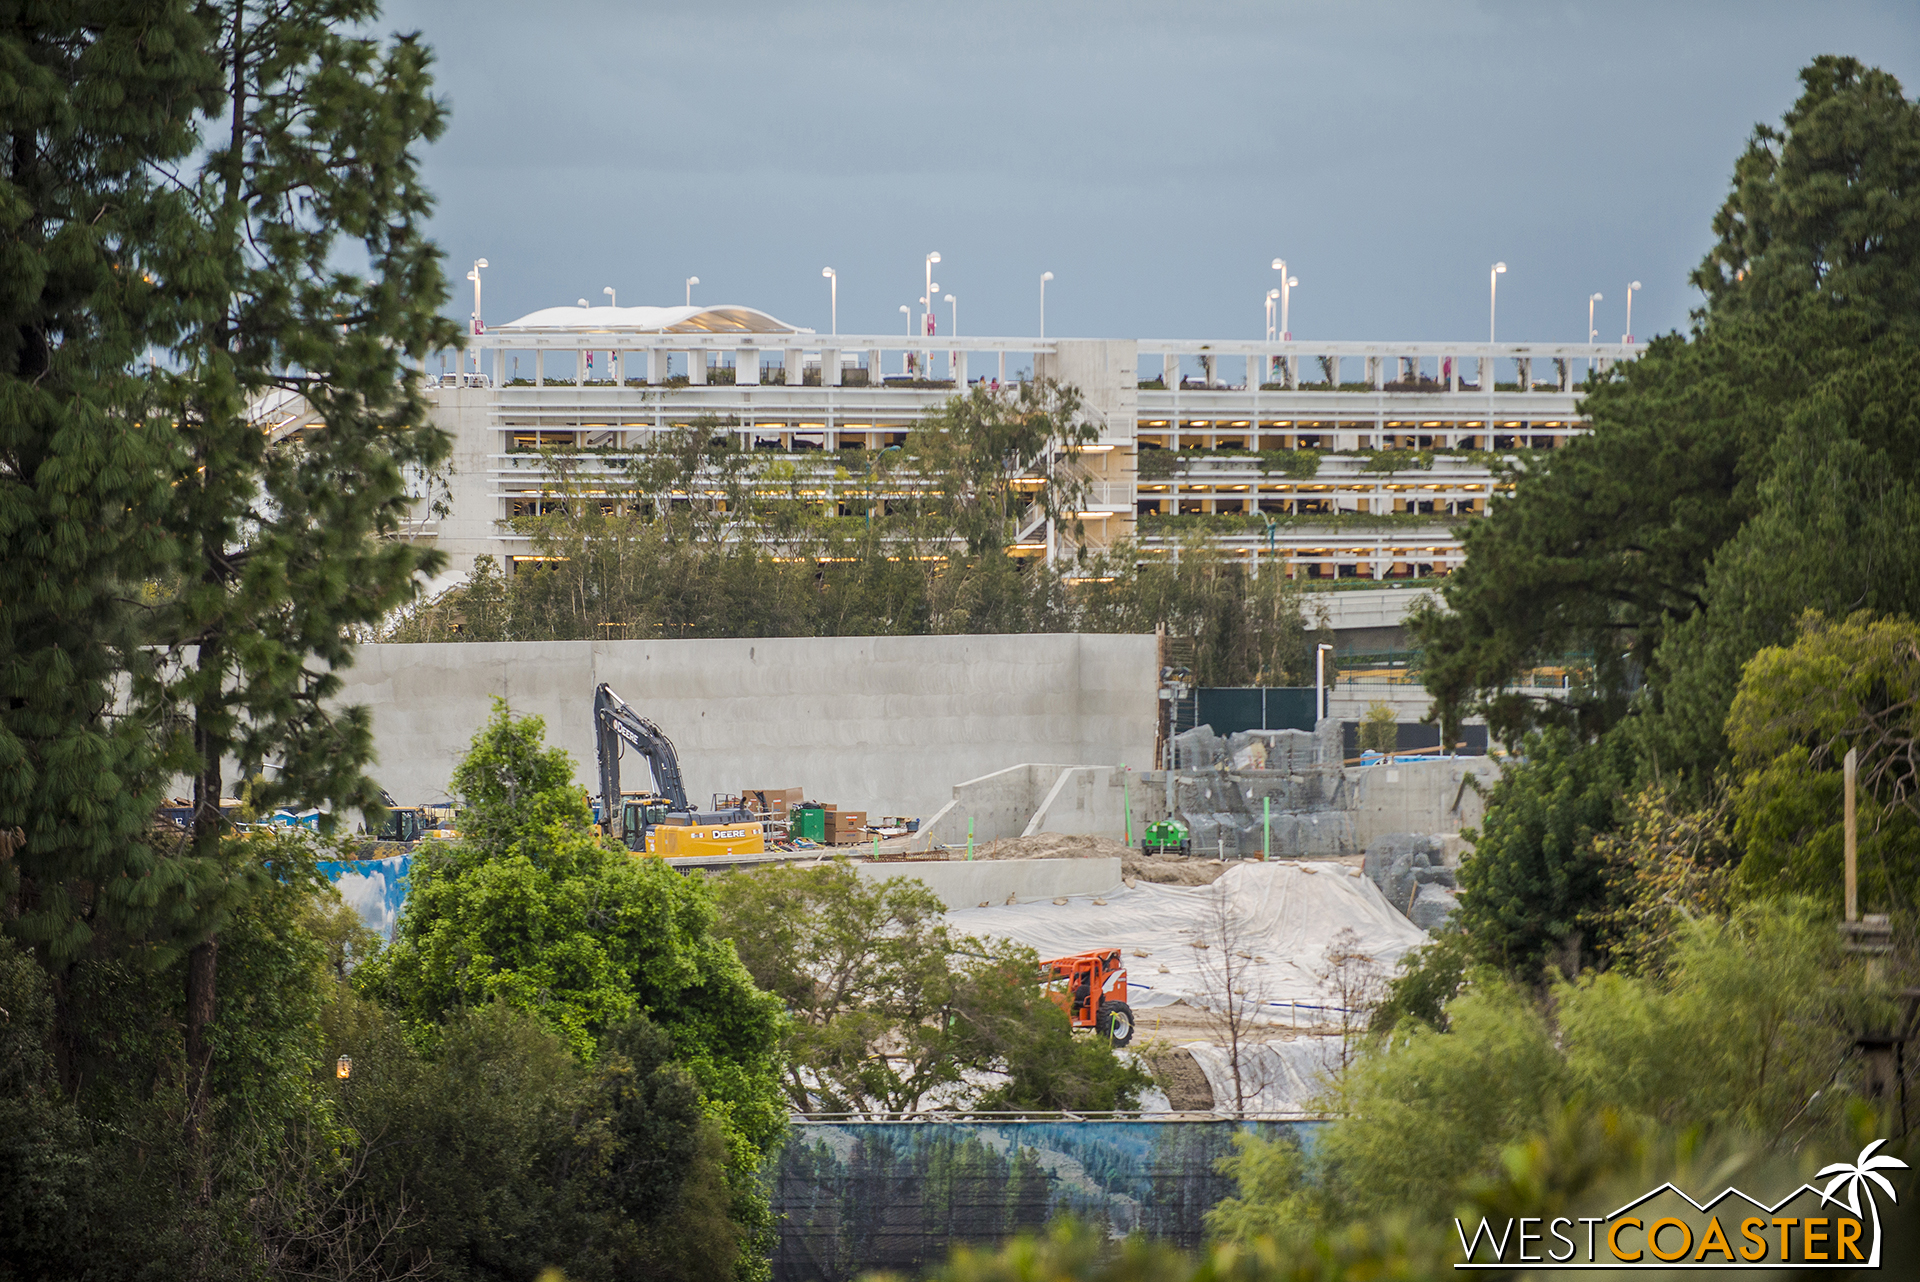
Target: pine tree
[(96, 96), (283, 534)]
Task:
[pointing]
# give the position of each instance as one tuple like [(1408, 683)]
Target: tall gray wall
[(882, 724)]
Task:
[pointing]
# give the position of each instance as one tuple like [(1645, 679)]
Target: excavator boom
[(615, 723)]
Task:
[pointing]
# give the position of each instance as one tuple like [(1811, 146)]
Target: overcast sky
[(1155, 158)]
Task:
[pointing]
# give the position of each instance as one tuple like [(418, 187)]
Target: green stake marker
[(1126, 805), (969, 836), (1266, 827)]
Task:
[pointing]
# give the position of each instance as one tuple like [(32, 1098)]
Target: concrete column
[(659, 360), (959, 362), (1293, 373), (829, 367), (1170, 371), (499, 367), (1003, 369), (580, 368), (1376, 372), (1257, 367), (746, 367), (697, 366), (796, 366), (1486, 374), (1453, 372), (539, 368)]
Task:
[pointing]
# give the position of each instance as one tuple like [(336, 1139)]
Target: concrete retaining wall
[(969, 883), (1085, 801), (883, 724), (1031, 798), (1418, 796)]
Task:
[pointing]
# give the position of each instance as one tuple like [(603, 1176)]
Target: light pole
[(953, 357), (1628, 337), (478, 326), (1286, 296), (613, 355), (1272, 296), (932, 258), (691, 282), (1320, 682), (906, 359), (1493, 294), (834, 276), (1044, 278), (1592, 333)]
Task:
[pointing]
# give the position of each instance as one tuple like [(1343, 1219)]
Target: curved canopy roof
[(726, 319)]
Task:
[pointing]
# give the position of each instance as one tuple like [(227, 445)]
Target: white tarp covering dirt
[(1283, 920), (1276, 1077)]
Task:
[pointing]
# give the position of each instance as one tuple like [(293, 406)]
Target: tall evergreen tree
[(94, 98), (1622, 546), (282, 539)]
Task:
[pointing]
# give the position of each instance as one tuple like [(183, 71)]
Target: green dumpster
[(809, 822)]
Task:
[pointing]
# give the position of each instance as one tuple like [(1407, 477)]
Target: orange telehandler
[(1092, 989)]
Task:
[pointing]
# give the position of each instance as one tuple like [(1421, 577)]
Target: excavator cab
[(407, 824), (1092, 989), (640, 811)]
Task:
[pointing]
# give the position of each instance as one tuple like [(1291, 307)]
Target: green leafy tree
[(1379, 729), (1746, 1035), (500, 1154), (889, 1006), (992, 457), (534, 910), (1666, 865), (1534, 871), (1842, 684)]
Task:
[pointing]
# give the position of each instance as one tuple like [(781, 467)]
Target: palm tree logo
[(1854, 1175)]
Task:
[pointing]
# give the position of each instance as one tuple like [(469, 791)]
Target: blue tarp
[(374, 887)]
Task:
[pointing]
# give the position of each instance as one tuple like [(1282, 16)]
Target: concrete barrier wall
[(1086, 801), (882, 724), (1036, 798), (970, 883)]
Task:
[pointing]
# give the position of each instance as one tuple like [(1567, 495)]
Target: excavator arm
[(614, 723)]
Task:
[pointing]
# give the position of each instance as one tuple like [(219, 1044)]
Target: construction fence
[(854, 1196)]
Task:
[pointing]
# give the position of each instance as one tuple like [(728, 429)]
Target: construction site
[(1255, 888)]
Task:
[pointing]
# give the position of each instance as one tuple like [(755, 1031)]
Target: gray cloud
[(1154, 157)]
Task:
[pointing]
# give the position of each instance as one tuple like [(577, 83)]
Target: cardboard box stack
[(772, 802), (845, 827)]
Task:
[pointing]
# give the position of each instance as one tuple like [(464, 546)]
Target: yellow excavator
[(661, 822)]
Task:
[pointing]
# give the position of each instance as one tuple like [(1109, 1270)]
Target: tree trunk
[(200, 976), (203, 959)]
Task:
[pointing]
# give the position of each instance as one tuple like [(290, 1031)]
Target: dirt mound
[(1171, 871), (1052, 845), (1177, 1073)]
